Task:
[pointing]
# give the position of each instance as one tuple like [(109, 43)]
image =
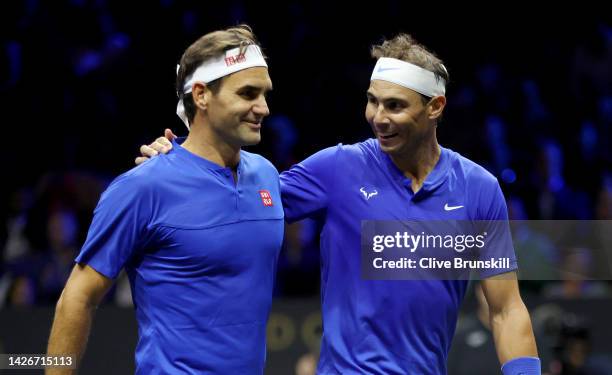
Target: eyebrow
[(403, 100), (255, 88)]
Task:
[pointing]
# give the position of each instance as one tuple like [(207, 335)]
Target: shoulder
[(360, 149), (348, 152), (481, 188), (142, 180), (256, 162), (472, 172)]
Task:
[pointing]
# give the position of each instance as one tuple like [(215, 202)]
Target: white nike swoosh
[(381, 69), (450, 208)]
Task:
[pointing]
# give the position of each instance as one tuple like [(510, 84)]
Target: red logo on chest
[(266, 198)]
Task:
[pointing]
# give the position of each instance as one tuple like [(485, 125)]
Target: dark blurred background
[(84, 83)]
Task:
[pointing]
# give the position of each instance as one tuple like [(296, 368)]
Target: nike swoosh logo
[(450, 208), (381, 69)]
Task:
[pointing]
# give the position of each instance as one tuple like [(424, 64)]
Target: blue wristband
[(522, 366)]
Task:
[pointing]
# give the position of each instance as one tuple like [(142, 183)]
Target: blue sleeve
[(491, 202), (306, 187), (522, 366), (493, 214), (119, 226)]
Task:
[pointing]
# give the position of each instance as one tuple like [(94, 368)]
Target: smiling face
[(398, 116), (236, 111)]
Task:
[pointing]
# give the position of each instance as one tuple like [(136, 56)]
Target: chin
[(389, 149), (251, 140)]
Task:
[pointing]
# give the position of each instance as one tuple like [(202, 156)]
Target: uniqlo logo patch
[(266, 198)]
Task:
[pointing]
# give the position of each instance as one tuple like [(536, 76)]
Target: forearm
[(70, 331), (513, 333)]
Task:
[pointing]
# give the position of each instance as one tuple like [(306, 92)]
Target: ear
[(435, 107), (201, 94)]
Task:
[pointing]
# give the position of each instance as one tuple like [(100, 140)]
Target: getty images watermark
[(413, 242), (452, 250)]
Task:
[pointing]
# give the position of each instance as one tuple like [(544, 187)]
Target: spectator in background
[(577, 278), (573, 352), (62, 234)]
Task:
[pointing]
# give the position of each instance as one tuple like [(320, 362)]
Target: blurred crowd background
[(85, 82)]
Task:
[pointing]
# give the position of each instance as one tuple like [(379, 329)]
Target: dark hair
[(405, 47), (205, 48)]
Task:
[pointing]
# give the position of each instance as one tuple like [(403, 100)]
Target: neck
[(204, 142), (419, 159)]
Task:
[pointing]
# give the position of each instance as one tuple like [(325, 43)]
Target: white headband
[(410, 76), (231, 62)]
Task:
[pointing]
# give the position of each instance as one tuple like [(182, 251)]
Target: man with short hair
[(202, 288), (400, 326)]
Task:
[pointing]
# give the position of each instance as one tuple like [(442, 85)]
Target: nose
[(380, 115), (260, 108)]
